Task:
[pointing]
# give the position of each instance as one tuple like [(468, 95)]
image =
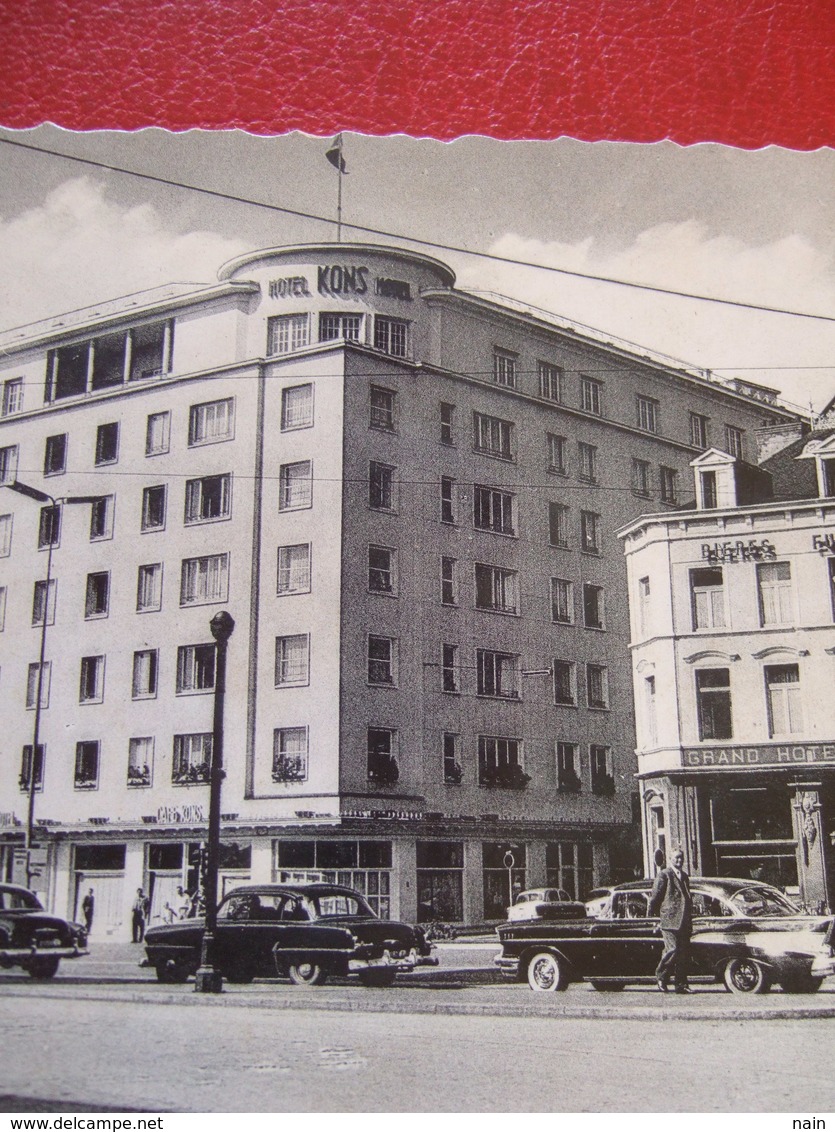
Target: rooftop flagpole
[(334, 155)]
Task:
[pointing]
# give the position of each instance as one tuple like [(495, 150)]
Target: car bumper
[(822, 966), (393, 962), (506, 964), (17, 954)]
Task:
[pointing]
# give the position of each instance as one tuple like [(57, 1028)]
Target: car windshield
[(18, 899), (757, 900), (331, 904)]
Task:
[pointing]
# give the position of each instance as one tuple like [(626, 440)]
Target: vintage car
[(597, 900), (543, 903), (304, 932), (746, 934), (31, 938)]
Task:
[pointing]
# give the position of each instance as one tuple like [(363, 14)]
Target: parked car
[(304, 932), (597, 901), (33, 939), (746, 934), (543, 903)]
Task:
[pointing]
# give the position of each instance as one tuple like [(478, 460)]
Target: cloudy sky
[(751, 228)]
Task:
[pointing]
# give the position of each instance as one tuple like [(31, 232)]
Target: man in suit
[(671, 900)]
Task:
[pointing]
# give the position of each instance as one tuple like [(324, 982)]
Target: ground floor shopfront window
[(362, 865), (751, 832), (440, 881), (570, 865), (504, 870)]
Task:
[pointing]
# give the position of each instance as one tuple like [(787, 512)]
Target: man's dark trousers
[(675, 960)]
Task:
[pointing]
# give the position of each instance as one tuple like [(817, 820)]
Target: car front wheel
[(43, 968), (546, 973), (745, 976), (306, 974)]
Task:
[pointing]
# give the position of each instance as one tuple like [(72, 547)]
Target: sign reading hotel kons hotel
[(773, 755), (342, 280), (739, 551)]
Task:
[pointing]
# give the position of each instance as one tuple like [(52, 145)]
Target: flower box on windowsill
[(384, 773), (510, 777), (569, 784), (453, 775), (192, 776), (604, 787)]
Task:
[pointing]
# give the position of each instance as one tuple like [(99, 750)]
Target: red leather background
[(746, 73)]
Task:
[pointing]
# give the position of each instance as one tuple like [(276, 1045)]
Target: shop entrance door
[(109, 911)]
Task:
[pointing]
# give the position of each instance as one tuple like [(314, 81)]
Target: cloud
[(772, 349), (79, 247)]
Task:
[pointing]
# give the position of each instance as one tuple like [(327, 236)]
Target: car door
[(627, 943)]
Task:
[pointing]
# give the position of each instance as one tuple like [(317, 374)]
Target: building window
[(292, 661), (382, 578), (497, 674), (447, 412), (107, 443), (590, 532), (562, 601), (493, 510), (644, 606), (209, 498), (391, 335), (570, 865), (558, 525), (593, 606), (91, 683), (707, 598), (145, 673), (55, 455), (785, 715), (504, 369), (568, 769), (597, 686), (650, 711), (97, 598), (381, 486), (452, 760), (149, 588), (647, 414), (587, 470), (2, 608), (698, 430), (34, 672), (296, 407), (287, 333), (602, 771), (382, 660), (831, 562), (157, 434), (335, 326), (153, 508), (591, 396), (774, 587), (382, 767), (12, 396), (500, 762), (8, 463), (290, 754), (550, 381), (211, 422), (641, 478), (827, 478), (140, 761), (192, 759), (195, 668), (713, 700), (86, 765), (6, 535), (293, 569), (493, 436), (496, 588), (151, 350), (556, 453), (669, 484), (733, 441), (101, 518), (204, 580), (383, 403), (449, 581), (447, 499), (42, 605), (565, 684), (449, 669), (49, 527), (25, 779)]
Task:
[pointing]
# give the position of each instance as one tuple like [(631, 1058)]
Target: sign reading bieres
[(739, 551), (776, 755), (340, 279)]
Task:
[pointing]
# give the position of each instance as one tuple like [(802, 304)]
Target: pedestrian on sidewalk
[(670, 898), (88, 907), (141, 907)]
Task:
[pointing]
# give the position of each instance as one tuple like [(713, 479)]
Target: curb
[(364, 1003)]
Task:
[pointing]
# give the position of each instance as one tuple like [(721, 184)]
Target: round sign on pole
[(509, 860)]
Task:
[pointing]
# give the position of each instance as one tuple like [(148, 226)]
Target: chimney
[(774, 438)]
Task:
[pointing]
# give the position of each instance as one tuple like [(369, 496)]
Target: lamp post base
[(208, 981)]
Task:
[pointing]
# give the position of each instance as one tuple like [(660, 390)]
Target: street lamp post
[(209, 979), (40, 497)]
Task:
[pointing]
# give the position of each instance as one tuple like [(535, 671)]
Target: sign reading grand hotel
[(801, 754), (739, 551)]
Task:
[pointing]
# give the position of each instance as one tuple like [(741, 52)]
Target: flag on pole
[(334, 154)]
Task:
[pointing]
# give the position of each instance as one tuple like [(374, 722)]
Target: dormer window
[(710, 498), (111, 359), (827, 478)]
